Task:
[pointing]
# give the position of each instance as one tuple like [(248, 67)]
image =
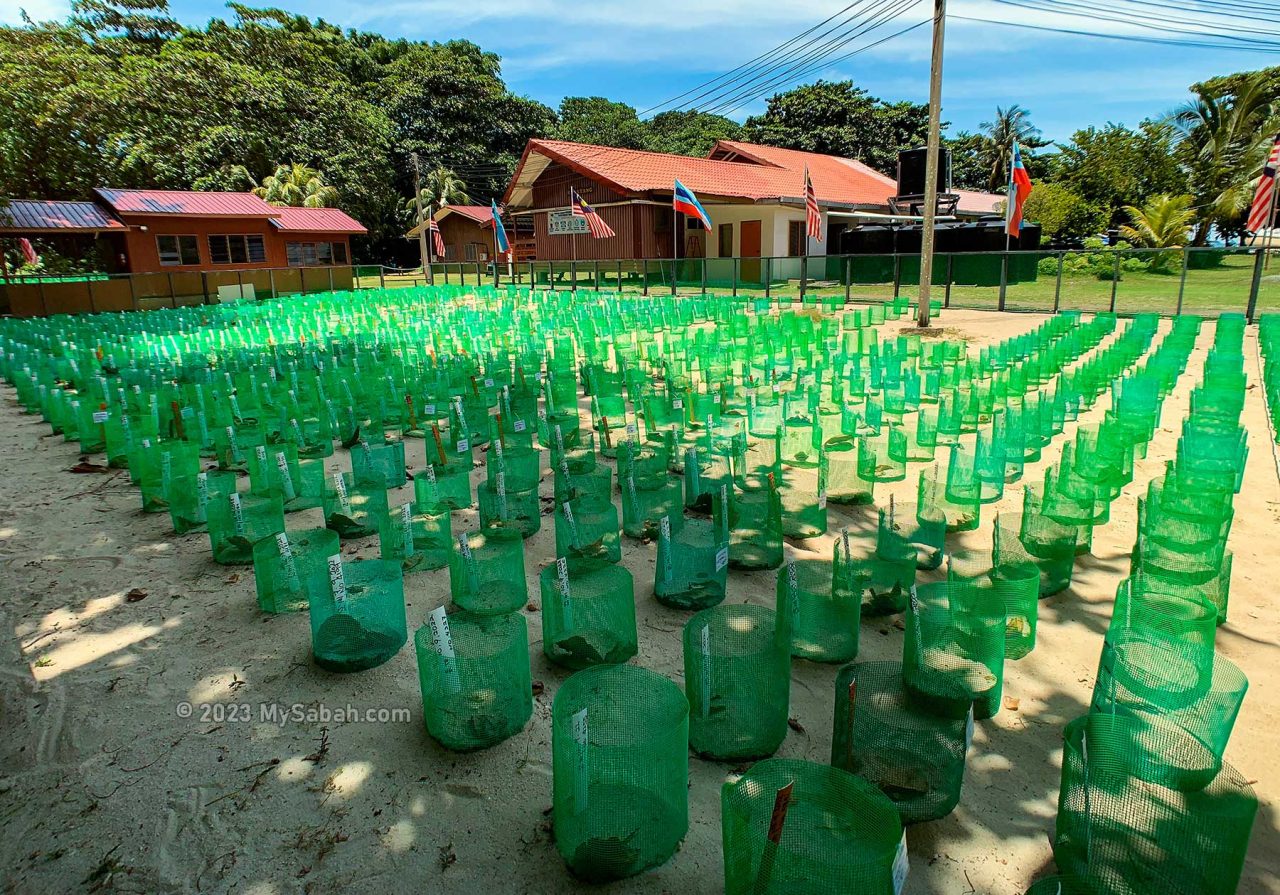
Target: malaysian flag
[(437, 243), (1260, 212), (578, 206), (813, 217)]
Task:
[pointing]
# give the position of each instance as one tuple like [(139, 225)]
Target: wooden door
[(750, 251)]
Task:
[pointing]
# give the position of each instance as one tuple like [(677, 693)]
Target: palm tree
[(1224, 138), (1010, 124), (440, 187), (296, 185), (1162, 223)]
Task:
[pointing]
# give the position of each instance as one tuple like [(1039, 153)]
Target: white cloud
[(38, 10)]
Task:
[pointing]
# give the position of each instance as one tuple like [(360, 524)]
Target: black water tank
[(911, 170)]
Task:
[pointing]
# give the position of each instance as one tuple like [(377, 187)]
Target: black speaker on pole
[(911, 171)]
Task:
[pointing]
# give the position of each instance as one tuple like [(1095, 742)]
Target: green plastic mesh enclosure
[(587, 532), (475, 679), (290, 566), (737, 677), (189, 497), (935, 502), (1216, 589), (440, 484), (486, 572), (1119, 833), (159, 465), (238, 521), (354, 509), (845, 482), (588, 614), (419, 541), (692, 567), (1148, 604), (755, 520), (908, 529), (1057, 885), (819, 606), (1184, 697), (620, 769), (371, 461), (501, 507), (953, 651), (792, 826), (804, 502), (914, 756), (1050, 564), (645, 501), (358, 621)]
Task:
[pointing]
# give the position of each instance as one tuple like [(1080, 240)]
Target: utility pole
[(422, 221), (931, 163)]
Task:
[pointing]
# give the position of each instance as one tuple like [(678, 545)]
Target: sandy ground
[(104, 788)]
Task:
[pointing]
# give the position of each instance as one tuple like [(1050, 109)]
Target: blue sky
[(644, 52)]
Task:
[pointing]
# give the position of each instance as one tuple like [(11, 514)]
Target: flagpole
[(1271, 223), (931, 163), (675, 241)]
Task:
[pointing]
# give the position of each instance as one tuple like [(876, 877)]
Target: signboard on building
[(565, 223)]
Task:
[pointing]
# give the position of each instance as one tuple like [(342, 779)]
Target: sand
[(104, 787)]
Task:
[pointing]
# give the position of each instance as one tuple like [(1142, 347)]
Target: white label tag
[(237, 513), (337, 582), (822, 499), (442, 640), (722, 559), (581, 783), (664, 532), (406, 528), (793, 590), (286, 480), (704, 646), (900, 866), (677, 404), (518, 426), (344, 499), (287, 560), (488, 383), (100, 416), (428, 410), (968, 729), (464, 445), (202, 489)]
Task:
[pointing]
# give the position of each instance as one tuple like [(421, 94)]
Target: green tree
[(137, 21), (1114, 166), (837, 118), (1062, 213), (689, 133), (594, 119), (440, 187), (1161, 223), (1225, 137), (1009, 125), (295, 185)]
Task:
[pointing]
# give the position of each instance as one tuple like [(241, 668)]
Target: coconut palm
[(1162, 223), (1224, 138), (296, 185), (440, 187), (1010, 124)]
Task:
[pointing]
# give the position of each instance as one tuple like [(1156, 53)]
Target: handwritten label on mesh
[(581, 781), (100, 416), (664, 532), (337, 582), (287, 561), (900, 865), (202, 489), (237, 514), (442, 642), (406, 528), (968, 729), (344, 499), (793, 590), (704, 646), (286, 480)]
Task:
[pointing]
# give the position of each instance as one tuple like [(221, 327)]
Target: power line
[(1097, 13), (1129, 38)]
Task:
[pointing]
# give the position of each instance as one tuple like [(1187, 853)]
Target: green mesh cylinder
[(737, 677), (274, 472), (845, 482), (588, 614), (522, 466), (475, 678), (369, 461), (238, 521), (354, 509), (908, 529), (1185, 697), (1147, 604), (1216, 589), (419, 541), (486, 572), (290, 566), (647, 462), (587, 532), (596, 482), (692, 567), (953, 651), (620, 771), (646, 501), (189, 498), (358, 621), (819, 606), (791, 826), (1119, 833), (160, 464), (755, 535), (1013, 560), (449, 485), (501, 507), (935, 502), (915, 757)]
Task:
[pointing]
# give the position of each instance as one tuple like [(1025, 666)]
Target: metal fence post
[(133, 291), (618, 283), (704, 276), (768, 277), (1258, 260), (496, 274), (804, 274), (897, 273), (1115, 283), (644, 270), (675, 273), (382, 277), (573, 274), (848, 279), (597, 276), (1004, 280), (1057, 286), (1182, 283), (330, 281), (951, 270), (93, 308), (44, 301), (271, 278), (733, 266)]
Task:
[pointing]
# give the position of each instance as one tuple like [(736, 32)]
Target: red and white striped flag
[(813, 217), (1260, 212), (436, 242), (28, 251), (599, 229)]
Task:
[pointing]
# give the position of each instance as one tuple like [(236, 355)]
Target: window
[(450, 252), (475, 251), (313, 254), (178, 250), (237, 249), (795, 238), (726, 241)]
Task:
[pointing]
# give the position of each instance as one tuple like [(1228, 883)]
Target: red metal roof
[(315, 220), (185, 202), (481, 214), (975, 202), (33, 215), (754, 172)]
